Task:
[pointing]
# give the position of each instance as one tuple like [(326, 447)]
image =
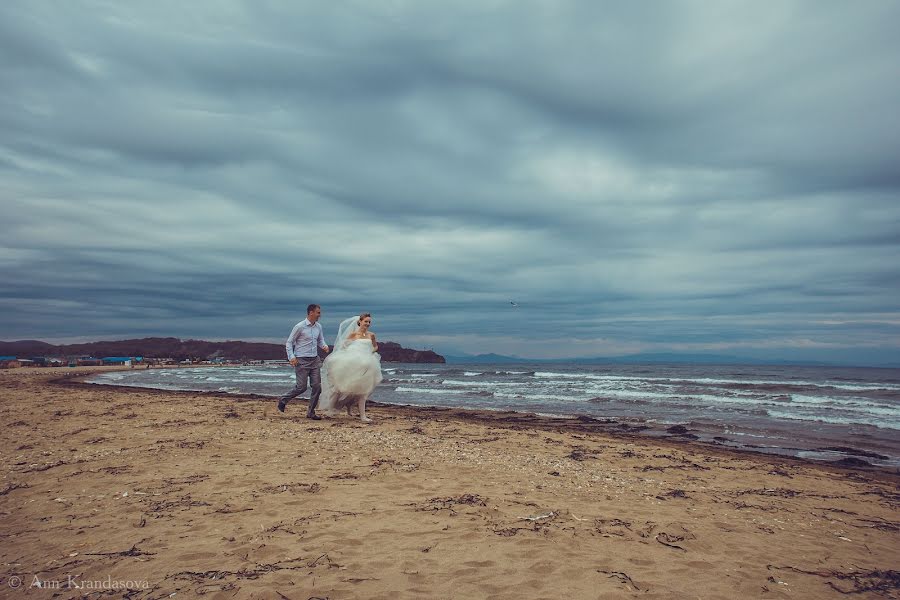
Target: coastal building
[(122, 360), (9, 362), (86, 361)]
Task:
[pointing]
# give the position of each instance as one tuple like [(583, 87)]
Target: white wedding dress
[(349, 373)]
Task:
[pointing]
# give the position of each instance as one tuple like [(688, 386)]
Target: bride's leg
[(362, 410)]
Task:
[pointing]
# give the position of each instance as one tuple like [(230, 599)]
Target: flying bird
[(513, 303)]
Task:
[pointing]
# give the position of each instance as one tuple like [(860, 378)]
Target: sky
[(542, 179)]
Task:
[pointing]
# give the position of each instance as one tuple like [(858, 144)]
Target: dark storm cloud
[(637, 177)]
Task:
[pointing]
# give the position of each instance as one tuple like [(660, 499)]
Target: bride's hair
[(363, 316)]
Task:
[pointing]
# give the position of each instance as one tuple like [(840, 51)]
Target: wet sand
[(202, 494)]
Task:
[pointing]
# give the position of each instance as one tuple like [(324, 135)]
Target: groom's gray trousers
[(308, 368)]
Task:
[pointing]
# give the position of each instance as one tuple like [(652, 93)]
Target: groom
[(302, 350)]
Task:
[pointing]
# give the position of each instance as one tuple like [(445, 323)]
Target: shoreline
[(856, 458), (180, 493)]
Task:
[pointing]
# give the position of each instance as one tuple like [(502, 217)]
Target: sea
[(844, 414)]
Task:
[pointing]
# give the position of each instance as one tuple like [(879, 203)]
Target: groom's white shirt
[(304, 339)]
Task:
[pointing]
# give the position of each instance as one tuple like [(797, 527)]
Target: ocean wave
[(833, 420), (110, 376), (410, 390), (861, 403), (533, 396), (267, 373), (456, 382), (714, 381)]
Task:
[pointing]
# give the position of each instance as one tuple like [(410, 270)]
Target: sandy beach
[(138, 493)]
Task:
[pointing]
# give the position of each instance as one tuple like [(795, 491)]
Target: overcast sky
[(709, 177)]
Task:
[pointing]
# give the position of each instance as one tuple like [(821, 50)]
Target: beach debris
[(473, 499), (183, 503), (612, 527), (781, 473), (852, 452), (778, 492), (879, 524), (673, 494), (171, 481), (435, 504), (580, 453), (892, 497), (330, 563), (669, 540), (133, 551), (549, 515), (623, 577), (310, 488), (36, 468), (861, 581), (852, 461), (677, 429)]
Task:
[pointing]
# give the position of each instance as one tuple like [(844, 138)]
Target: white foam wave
[(860, 403), (533, 396), (410, 390), (867, 387), (261, 373), (481, 384), (875, 422), (110, 376)]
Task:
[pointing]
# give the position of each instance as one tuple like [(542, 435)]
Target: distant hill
[(192, 349)]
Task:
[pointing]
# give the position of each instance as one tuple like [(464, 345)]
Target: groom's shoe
[(281, 405), (314, 417)]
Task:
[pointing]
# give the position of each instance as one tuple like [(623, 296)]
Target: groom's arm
[(289, 345), (321, 341)]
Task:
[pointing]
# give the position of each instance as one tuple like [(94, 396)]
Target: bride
[(353, 368)]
